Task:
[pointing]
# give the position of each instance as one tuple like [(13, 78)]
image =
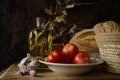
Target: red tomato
[(68, 60), (51, 58), (70, 50), (55, 56), (81, 58)]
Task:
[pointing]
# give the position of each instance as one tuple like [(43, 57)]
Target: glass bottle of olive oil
[(40, 40)]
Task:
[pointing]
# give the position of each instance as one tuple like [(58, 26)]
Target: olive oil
[(40, 41)]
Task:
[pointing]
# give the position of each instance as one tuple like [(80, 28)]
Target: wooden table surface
[(98, 73)]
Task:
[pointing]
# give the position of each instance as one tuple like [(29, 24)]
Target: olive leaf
[(70, 4), (64, 12), (48, 11), (73, 29), (62, 30), (59, 2), (59, 18)]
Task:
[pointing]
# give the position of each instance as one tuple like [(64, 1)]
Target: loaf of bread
[(106, 27), (85, 41)]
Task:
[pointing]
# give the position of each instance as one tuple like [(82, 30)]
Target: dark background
[(17, 18)]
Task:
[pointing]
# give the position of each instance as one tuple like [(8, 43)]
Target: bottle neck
[(40, 22)]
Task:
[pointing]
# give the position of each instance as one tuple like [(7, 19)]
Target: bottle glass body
[(40, 42)]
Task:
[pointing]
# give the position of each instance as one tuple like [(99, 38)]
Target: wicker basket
[(109, 47)]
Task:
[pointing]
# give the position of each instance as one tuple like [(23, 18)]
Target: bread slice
[(85, 41)]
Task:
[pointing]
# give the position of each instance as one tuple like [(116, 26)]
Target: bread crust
[(106, 27)]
